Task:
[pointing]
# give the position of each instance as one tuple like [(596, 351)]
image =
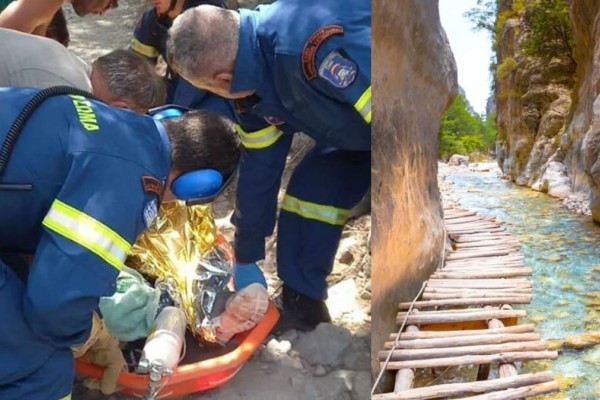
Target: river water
[(563, 250)]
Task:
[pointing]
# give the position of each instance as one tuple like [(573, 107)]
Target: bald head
[(202, 47)]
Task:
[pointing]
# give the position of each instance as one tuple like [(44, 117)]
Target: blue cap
[(197, 184)]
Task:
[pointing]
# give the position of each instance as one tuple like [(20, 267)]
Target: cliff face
[(549, 113), (533, 101), (414, 81), (582, 139)]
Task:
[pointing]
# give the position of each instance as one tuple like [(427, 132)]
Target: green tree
[(462, 132), (550, 33)]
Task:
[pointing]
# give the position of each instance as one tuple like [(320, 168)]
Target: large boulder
[(457, 160)]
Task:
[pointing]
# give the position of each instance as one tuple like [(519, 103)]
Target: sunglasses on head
[(200, 186)]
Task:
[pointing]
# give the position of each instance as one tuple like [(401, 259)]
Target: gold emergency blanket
[(187, 257)]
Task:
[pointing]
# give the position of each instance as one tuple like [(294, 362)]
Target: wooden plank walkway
[(464, 317)]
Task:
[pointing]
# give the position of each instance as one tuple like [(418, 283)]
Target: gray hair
[(203, 41), (132, 79)]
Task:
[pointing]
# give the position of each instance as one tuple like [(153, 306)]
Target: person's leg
[(29, 368), (322, 191)]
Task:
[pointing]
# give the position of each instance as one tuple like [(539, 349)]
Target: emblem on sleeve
[(338, 70), (312, 46), (152, 185), (150, 213)]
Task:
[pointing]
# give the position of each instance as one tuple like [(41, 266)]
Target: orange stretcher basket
[(200, 376)]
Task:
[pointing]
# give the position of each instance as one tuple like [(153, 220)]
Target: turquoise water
[(562, 248)]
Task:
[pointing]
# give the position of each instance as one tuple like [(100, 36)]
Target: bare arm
[(28, 15)]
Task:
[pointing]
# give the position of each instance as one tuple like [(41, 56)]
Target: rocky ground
[(333, 362)]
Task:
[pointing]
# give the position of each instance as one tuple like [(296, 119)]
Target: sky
[(472, 51)]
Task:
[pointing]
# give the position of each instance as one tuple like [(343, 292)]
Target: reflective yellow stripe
[(67, 397), (328, 214), (143, 49), (87, 232), (363, 105), (259, 139)]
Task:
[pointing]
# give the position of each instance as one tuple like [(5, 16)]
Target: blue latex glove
[(247, 274)]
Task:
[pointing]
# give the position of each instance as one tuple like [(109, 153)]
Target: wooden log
[(487, 243), (473, 360), (519, 393), (477, 262), (504, 290), (482, 268), (469, 301), (466, 222), (484, 262), (484, 292), (470, 225), (472, 292), (464, 255), (480, 237), (525, 328), (457, 341), (461, 389), (490, 246), (487, 260), (515, 256), (448, 216), (483, 274), (473, 231), (405, 377), (483, 283), (476, 350), (491, 242), (498, 247), (504, 369), (427, 317), (510, 264), (454, 311), (462, 220)]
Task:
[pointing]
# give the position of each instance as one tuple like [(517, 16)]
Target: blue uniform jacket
[(95, 173), (149, 40), (310, 64)]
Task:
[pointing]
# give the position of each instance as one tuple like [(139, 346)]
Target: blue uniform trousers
[(325, 182), (29, 368)]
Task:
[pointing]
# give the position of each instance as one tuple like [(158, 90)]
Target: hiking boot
[(299, 312)]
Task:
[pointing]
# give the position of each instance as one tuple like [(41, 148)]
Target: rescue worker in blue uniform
[(83, 180), (149, 38), (294, 65)]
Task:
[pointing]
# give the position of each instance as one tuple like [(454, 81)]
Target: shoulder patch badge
[(338, 70), (150, 213), (152, 185), (312, 46)]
